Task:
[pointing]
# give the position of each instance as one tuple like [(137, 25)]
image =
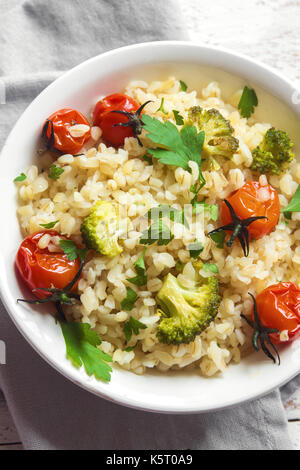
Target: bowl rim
[(125, 401)]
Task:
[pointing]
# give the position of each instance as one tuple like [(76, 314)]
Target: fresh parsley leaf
[(55, 172), (157, 232), (213, 209), (219, 238), (293, 206), (22, 177), (195, 249), (140, 268), (81, 344), (133, 326), (180, 147), (147, 159), (50, 225), (248, 102), (139, 265), (130, 348), (183, 86), (178, 118), (213, 268), (161, 108), (70, 249), (163, 210), (129, 301)]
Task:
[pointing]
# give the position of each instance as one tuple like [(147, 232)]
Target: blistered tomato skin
[(106, 120), (278, 307), (254, 200), (60, 123), (41, 268)]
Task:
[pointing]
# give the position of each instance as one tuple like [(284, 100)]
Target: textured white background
[(268, 30)]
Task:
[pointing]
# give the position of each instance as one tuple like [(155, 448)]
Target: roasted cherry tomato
[(254, 200), (41, 268), (278, 307), (56, 131), (104, 118)]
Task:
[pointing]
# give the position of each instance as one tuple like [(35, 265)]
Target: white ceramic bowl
[(174, 392)]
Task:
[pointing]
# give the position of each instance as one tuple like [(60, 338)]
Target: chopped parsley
[(213, 209), (183, 85), (50, 225), (82, 349), (157, 232), (140, 279), (248, 102), (70, 249), (129, 301), (219, 238), (133, 326), (293, 206), (178, 118), (195, 249), (22, 177), (163, 210), (55, 172), (161, 108)]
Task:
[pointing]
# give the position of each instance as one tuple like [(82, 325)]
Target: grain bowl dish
[(165, 229)]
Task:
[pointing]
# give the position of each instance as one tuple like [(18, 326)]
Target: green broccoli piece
[(219, 140), (99, 229), (274, 154), (185, 313)]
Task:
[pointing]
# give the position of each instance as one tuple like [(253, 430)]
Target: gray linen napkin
[(38, 41)]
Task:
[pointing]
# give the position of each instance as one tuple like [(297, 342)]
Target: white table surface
[(265, 29)]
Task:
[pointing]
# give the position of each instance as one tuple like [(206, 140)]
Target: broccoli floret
[(274, 153), (219, 140), (99, 229), (184, 312)]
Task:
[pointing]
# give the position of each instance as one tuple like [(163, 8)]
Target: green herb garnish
[(293, 206), (219, 238), (195, 249), (178, 118), (55, 172), (70, 249), (213, 209), (248, 102), (81, 344), (50, 225), (183, 86), (157, 232), (163, 210), (179, 147), (22, 177), (129, 301), (161, 108), (140, 269), (133, 326)]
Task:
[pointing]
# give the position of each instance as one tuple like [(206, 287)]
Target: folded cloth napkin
[(39, 40)]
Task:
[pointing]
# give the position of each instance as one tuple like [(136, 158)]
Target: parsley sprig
[(248, 102), (140, 279), (82, 349), (133, 326), (176, 148), (55, 172), (157, 232), (70, 249), (294, 204), (129, 301)]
